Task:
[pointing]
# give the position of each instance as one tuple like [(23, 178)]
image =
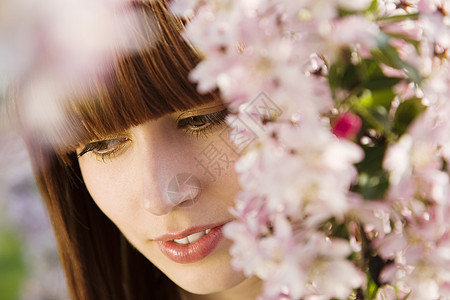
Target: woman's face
[(168, 185)]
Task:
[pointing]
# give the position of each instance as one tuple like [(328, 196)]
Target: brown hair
[(99, 262)]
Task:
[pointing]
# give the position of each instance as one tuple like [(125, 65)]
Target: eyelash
[(97, 147), (208, 124), (210, 121)]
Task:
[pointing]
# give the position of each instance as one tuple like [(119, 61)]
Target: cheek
[(215, 162), (111, 188)]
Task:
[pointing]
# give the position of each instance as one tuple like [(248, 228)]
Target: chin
[(211, 275), (215, 283)]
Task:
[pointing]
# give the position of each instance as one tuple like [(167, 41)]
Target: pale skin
[(130, 186)]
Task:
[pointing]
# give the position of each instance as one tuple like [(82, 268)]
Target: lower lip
[(193, 252)]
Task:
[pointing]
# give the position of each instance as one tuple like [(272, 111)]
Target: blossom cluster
[(346, 191)]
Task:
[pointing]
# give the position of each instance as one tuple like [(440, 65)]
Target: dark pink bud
[(347, 126)]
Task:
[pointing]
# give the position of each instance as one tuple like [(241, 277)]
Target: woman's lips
[(191, 252)]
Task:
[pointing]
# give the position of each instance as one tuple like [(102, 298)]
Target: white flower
[(337, 279), (331, 274), (354, 4), (353, 30), (397, 159)]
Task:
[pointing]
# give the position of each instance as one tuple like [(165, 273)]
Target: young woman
[(112, 181)]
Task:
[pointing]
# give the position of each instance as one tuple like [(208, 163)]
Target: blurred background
[(29, 263)]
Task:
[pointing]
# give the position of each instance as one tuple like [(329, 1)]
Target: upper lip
[(179, 235)]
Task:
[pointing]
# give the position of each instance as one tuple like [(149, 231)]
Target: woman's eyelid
[(111, 144), (109, 137), (90, 146)]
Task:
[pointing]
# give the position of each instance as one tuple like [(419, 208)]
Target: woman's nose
[(166, 182), (182, 190)]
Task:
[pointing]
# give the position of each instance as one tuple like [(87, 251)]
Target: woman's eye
[(104, 148), (197, 121), (202, 123)]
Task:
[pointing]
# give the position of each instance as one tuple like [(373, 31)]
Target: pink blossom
[(420, 254), (329, 260), (316, 262), (354, 30), (248, 255), (391, 72), (397, 7), (390, 245), (430, 6), (405, 90), (375, 216), (386, 292), (408, 28), (415, 162), (427, 6), (337, 278)]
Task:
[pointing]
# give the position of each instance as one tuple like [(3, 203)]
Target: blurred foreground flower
[(346, 193), (53, 49)]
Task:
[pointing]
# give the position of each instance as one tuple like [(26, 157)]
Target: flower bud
[(347, 126)]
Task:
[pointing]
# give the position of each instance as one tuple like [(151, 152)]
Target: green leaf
[(373, 181), (373, 159), (399, 18), (372, 9), (343, 75), (382, 83), (345, 12), (12, 266), (372, 186), (383, 98), (406, 113), (388, 55), (351, 77), (335, 74), (374, 113), (372, 289)]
